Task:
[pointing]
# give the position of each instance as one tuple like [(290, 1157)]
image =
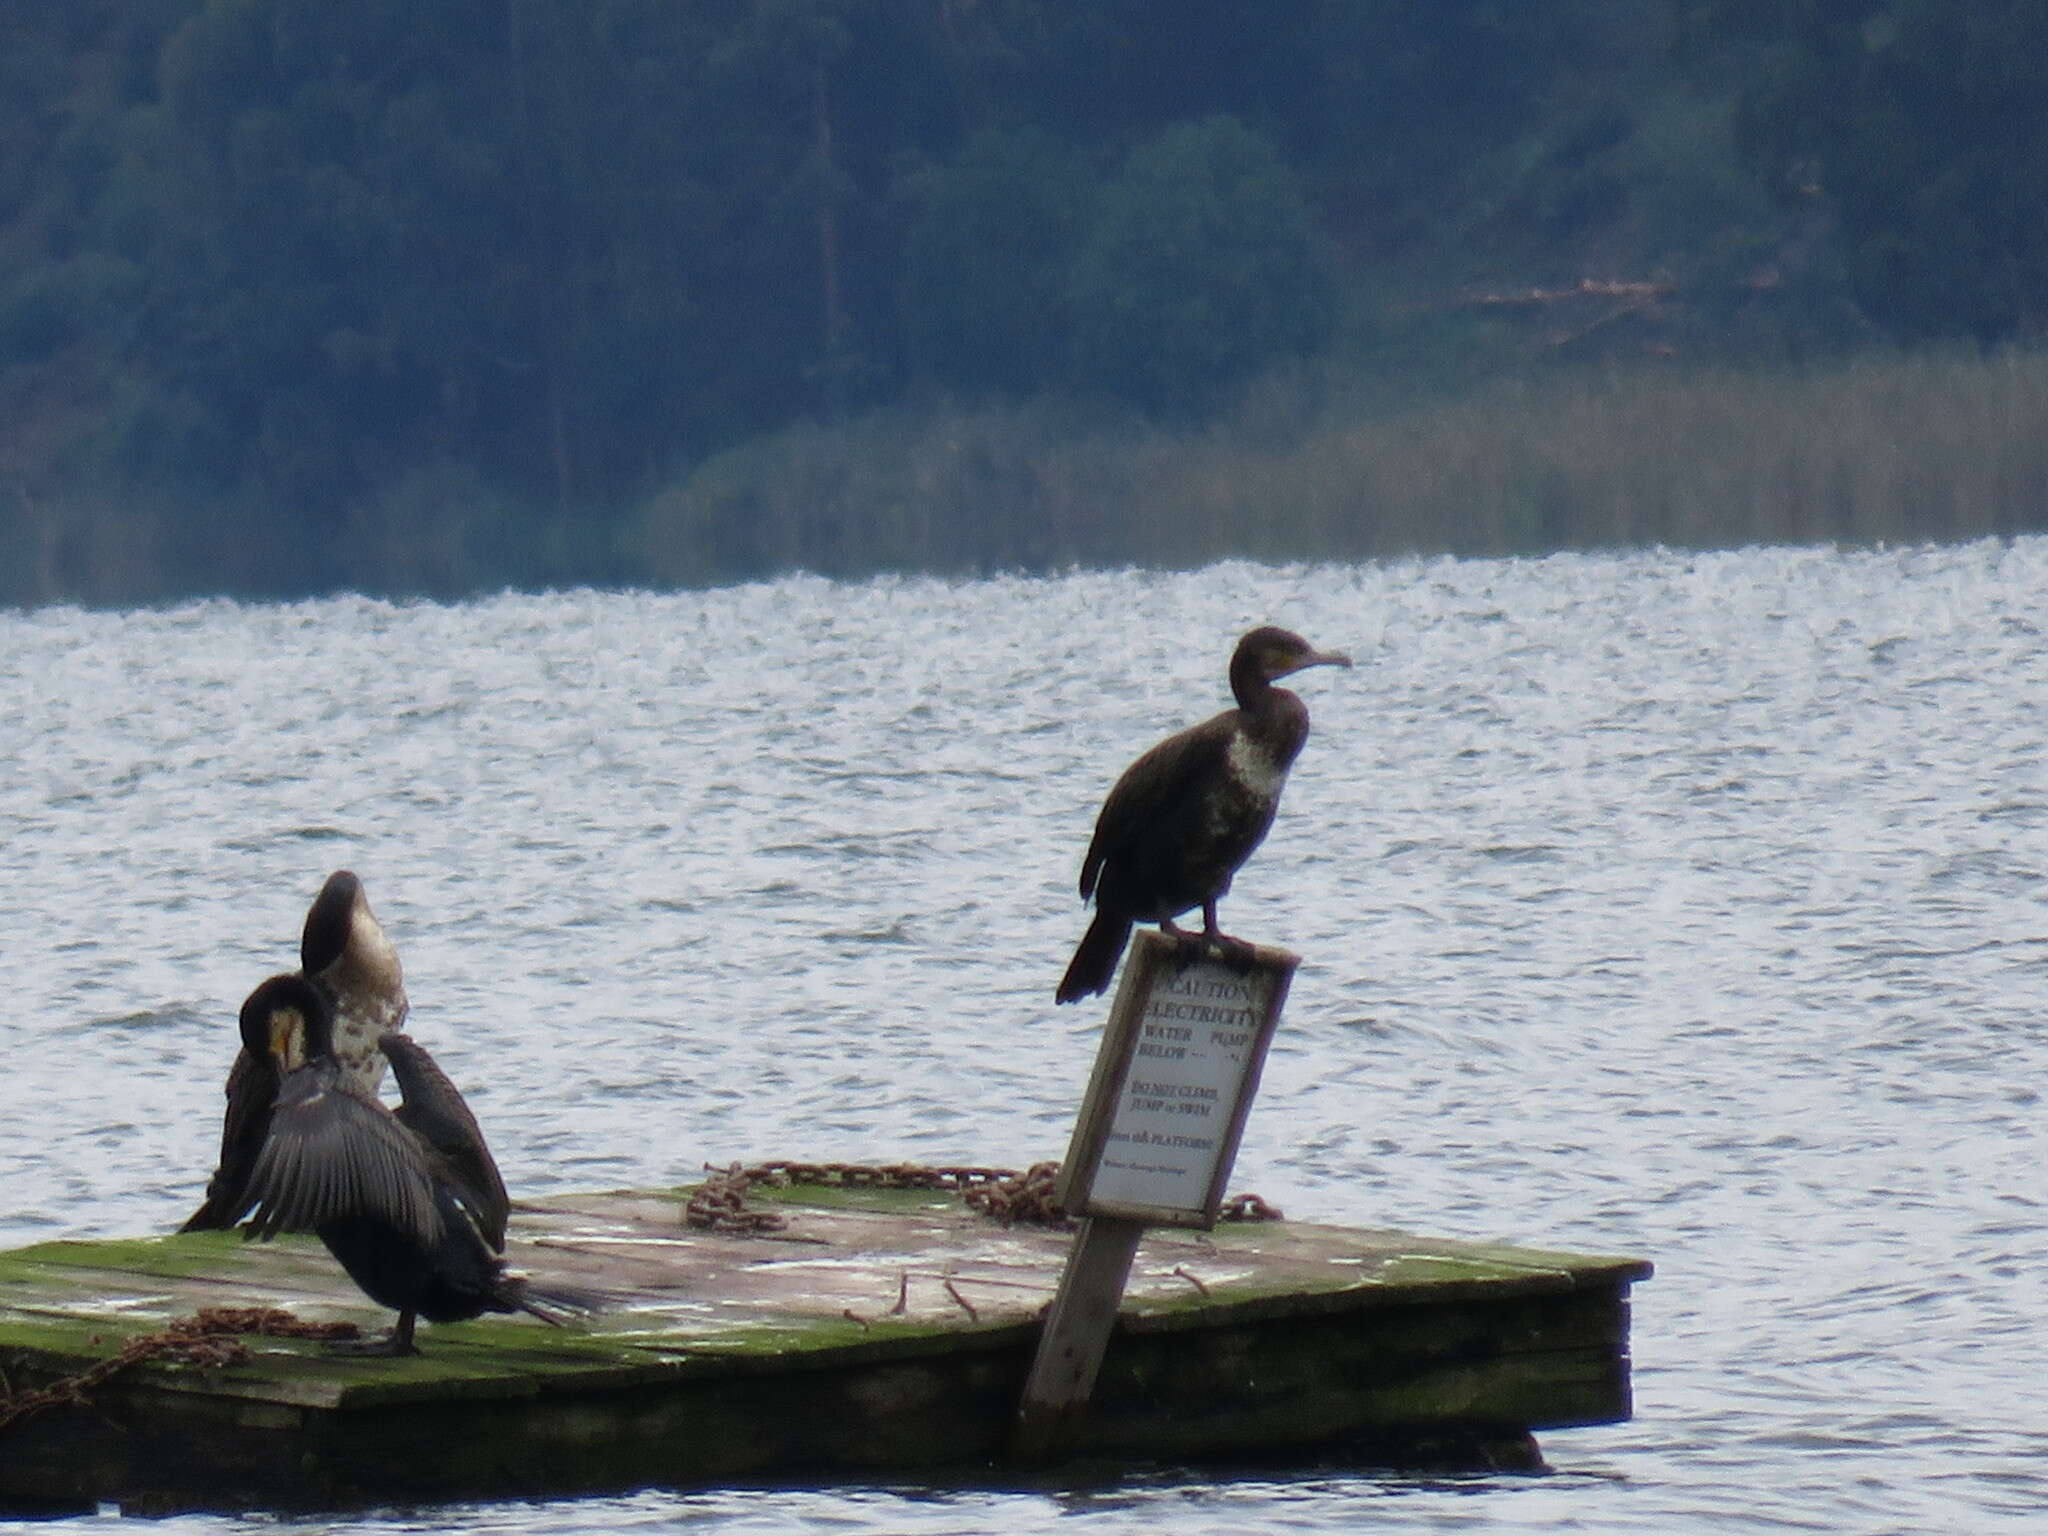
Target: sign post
[(1153, 1145)]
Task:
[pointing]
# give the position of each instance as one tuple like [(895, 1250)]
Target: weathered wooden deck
[(883, 1332)]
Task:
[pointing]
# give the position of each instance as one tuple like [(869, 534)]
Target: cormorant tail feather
[(1094, 961)]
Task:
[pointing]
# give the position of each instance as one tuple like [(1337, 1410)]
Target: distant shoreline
[(1926, 446)]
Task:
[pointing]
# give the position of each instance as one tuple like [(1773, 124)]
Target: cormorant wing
[(1153, 790), (252, 1086), (435, 1110), (335, 1152)]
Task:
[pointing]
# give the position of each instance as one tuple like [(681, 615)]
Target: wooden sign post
[(1153, 1145)]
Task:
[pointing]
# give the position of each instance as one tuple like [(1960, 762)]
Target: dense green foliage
[(432, 296)]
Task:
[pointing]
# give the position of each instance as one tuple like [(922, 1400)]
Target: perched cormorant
[(345, 953), (409, 1201), (1185, 816)]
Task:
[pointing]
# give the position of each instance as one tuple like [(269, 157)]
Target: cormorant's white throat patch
[(1253, 766)]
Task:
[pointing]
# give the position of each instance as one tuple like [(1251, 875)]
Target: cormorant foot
[(1238, 954), (1215, 944), (398, 1342)]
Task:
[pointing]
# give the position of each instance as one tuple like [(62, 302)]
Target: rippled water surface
[(1686, 906)]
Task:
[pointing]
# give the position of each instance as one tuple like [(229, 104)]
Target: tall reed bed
[(1882, 447)]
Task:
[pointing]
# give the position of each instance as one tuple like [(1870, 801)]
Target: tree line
[(446, 294)]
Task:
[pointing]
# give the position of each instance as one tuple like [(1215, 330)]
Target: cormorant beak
[(1317, 659), (287, 1036)]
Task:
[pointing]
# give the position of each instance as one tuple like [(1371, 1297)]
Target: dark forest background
[(442, 295)]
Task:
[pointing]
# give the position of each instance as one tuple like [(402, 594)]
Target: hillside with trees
[(458, 294)]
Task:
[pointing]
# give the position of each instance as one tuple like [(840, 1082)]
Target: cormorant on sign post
[(1185, 816)]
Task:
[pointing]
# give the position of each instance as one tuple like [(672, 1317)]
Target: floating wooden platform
[(881, 1333)]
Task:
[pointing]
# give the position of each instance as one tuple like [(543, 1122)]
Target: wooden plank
[(882, 1331), (1154, 1142), (1069, 1354), (884, 1418), (752, 1293)]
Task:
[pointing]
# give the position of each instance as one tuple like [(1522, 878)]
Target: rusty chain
[(720, 1202), (1249, 1207), (1025, 1197), (207, 1338)]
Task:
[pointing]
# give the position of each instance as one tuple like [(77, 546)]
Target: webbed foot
[(1238, 954), (1213, 944), (398, 1342)]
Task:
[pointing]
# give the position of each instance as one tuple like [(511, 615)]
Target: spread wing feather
[(336, 1152), (252, 1085), (435, 1110)]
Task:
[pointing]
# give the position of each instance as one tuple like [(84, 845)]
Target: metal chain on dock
[(1004, 1194), (1249, 1207), (1021, 1197), (208, 1338), (720, 1204)]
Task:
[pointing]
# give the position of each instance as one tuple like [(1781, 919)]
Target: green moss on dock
[(173, 1258), (883, 1329), (69, 1338)]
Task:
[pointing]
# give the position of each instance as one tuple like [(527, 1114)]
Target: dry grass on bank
[(1882, 447), (1886, 447)]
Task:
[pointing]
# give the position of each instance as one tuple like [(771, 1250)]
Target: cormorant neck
[(1248, 685), (329, 922), (319, 1044)]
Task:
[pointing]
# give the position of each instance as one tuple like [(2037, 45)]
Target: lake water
[(1688, 906)]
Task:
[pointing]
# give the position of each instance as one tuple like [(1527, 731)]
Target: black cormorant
[(1185, 816), (409, 1201), (344, 951)]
